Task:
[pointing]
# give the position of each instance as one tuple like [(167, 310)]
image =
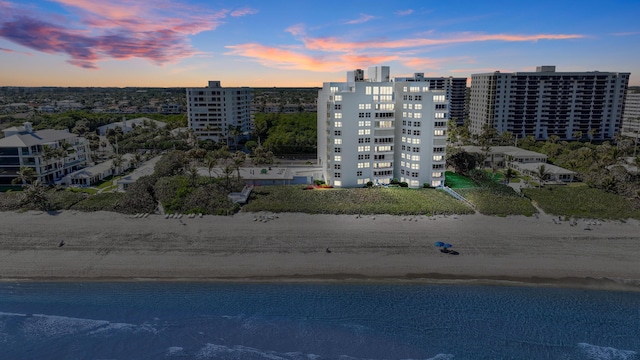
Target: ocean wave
[(606, 353), (215, 351), (42, 325), (175, 350)]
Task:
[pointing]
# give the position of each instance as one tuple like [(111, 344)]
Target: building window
[(417, 106), (358, 173), (416, 132), (337, 183), (437, 157), (337, 150), (337, 141), (337, 115), (337, 106), (337, 133), (337, 166), (338, 98), (415, 166), (337, 124), (438, 132), (337, 158), (439, 115), (337, 175)]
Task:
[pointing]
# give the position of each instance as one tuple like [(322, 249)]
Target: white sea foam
[(606, 353), (175, 350), (214, 351), (41, 325), (11, 314)]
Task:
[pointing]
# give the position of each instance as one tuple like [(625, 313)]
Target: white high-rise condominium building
[(631, 118), (546, 103), (376, 130), (455, 89), (220, 114)]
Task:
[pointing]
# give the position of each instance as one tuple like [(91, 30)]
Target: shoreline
[(291, 248)]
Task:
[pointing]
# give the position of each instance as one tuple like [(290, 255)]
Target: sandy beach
[(292, 247)]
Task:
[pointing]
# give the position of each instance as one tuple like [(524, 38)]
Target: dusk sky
[(258, 43)]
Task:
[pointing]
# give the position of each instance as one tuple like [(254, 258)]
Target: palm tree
[(211, 160), (25, 176), (577, 135), (542, 173), (239, 159), (509, 174), (116, 163), (193, 176)]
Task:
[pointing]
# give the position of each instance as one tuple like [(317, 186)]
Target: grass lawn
[(490, 201), (457, 181), (394, 201), (582, 202)]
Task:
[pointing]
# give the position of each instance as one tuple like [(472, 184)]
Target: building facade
[(631, 118), (570, 105), (376, 129), (220, 114), (51, 153), (455, 90)]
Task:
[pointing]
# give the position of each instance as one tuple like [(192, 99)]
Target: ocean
[(153, 320)]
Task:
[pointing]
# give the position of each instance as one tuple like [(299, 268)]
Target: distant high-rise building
[(631, 118), (376, 130), (455, 89), (220, 114), (546, 103)]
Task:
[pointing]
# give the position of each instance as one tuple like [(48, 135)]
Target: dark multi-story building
[(543, 103)]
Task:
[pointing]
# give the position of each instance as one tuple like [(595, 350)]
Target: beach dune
[(291, 246)]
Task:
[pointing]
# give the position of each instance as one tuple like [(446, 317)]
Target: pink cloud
[(362, 19), (156, 31), (296, 30), (243, 12), (288, 59)]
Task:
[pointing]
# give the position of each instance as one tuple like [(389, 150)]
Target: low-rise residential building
[(526, 162), (51, 153), (128, 125)]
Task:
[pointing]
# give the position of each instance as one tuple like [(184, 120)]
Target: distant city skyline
[(282, 43)]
